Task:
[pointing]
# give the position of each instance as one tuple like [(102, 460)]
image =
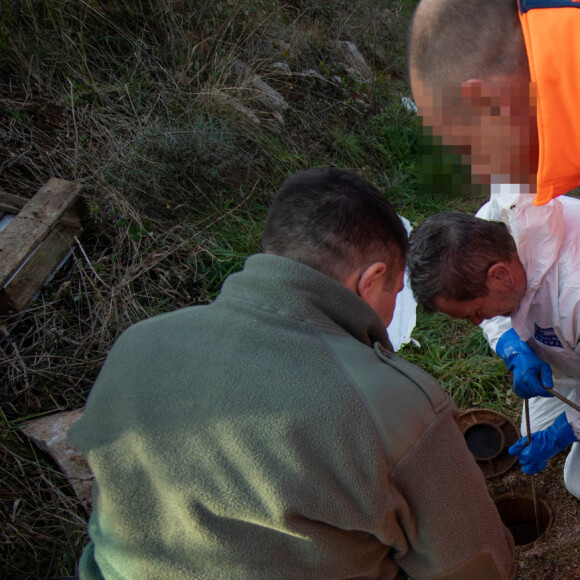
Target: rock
[(278, 48), (241, 68), (282, 67), (267, 96), (352, 59), (49, 434), (270, 98), (312, 73), (230, 102), (278, 117)]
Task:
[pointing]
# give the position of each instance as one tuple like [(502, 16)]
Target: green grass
[(135, 101), (457, 355)]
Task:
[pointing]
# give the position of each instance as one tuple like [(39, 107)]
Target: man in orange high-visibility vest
[(499, 81)]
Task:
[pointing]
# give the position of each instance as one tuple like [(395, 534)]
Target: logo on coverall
[(547, 336)]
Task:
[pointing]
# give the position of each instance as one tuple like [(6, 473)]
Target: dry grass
[(41, 521)]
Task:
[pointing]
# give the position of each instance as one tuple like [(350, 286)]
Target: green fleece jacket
[(271, 435)]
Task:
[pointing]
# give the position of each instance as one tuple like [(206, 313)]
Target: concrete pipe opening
[(516, 510), (484, 440)]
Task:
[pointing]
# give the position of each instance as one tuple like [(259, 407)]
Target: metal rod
[(563, 399), (532, 478)]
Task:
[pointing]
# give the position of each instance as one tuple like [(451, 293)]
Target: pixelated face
[(492, 125)]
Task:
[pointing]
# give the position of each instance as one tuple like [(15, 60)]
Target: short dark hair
[(450, 254), (333, 220), (456, 40)]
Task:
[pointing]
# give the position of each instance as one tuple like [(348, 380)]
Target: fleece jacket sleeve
[(439, 498), (460, 532)]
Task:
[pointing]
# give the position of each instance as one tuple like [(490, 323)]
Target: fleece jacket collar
[(303, 292)]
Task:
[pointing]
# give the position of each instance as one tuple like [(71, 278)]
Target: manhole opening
[(485, 441), (517, 513)]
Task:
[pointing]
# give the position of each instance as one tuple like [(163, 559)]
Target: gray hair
[(450, 254)]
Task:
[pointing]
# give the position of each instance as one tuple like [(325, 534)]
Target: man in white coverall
[(521, 283)]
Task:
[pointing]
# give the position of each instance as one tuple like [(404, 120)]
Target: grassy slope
[(135, 101)]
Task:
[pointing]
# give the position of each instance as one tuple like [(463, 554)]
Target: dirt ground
[(555, 555)]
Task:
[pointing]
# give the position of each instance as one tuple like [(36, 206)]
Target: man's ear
[(371, 282), (500, 277)]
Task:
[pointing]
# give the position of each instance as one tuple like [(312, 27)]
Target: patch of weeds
[(458, 356), (136, 231), (326, 12), (234, 238), (182, 167), (388, 35), (347, 149), (389, 140), (281, 155)]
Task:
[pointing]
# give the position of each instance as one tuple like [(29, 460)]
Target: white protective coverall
[(548, 318)]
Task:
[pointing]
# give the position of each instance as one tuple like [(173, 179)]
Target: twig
[(532, 478), (89, 262), (563, 399), (19, 358), (74, 118)]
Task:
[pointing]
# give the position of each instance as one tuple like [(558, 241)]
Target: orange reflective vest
[(552, 35)]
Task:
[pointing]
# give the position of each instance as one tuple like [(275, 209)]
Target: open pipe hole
[(517, 513), (484, 440)]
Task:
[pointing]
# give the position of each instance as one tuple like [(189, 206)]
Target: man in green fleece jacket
[(273, 434)]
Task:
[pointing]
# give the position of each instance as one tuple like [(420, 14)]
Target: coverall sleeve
[(450, 522), (568, 308), (493, 328), (569, 317), (573, 416)]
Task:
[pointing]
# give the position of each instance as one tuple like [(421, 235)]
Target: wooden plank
[(34, 223), (26, 283)]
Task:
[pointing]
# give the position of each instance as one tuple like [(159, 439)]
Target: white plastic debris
[(409, 104), (405, 315)]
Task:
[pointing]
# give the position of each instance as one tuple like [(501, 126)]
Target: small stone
[(270, 98), (226, 101), (352, 59), (310, 72), (282, 67), (49, 434)]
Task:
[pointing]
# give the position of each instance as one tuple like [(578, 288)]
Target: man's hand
[(545, 444), (530, 372)]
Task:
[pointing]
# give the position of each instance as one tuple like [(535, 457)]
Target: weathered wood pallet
[(35, 242)]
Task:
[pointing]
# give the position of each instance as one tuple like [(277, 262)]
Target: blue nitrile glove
[(529, 370), (545, 444)]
